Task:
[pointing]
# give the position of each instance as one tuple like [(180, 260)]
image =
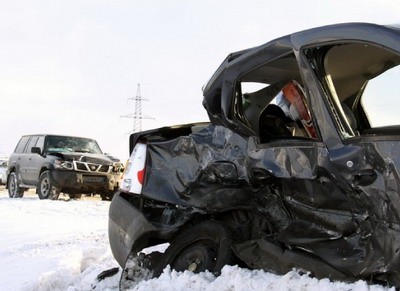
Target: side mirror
[(36, 150)]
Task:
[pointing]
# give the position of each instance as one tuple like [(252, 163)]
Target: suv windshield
[(71, 144)]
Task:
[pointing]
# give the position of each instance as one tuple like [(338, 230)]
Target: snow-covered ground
[(63, 245)]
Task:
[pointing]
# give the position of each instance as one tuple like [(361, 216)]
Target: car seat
[(273, 123), (296, 97)]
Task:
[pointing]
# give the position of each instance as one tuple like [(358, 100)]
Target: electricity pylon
[(137, 115)]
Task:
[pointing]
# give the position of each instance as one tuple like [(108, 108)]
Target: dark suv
[(55, 163), (298, 168)]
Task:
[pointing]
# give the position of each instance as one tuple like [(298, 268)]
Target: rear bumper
[(127, 228)]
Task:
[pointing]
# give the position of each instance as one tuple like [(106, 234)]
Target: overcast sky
[(70, 67)]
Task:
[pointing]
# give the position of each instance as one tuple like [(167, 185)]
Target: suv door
[(19, 157), (26, 164), (35, 161)]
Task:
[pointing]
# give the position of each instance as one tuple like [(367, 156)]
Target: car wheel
[(204, 246), (46, 189), (75, 196), (14, 190), (106, 197), (394, 280)]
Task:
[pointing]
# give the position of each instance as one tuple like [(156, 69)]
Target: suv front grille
[(91, 167)]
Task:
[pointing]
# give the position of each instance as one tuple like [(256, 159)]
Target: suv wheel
[(14, 191), (47, 189), (204, 246), (106, 197), (75, 196)]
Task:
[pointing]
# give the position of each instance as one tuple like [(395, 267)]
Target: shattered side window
[(276, 111), (361, 80), (251, 98), (380, 99), (251, 87), (270, 101)]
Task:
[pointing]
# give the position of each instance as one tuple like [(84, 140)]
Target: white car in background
[(3, 172)]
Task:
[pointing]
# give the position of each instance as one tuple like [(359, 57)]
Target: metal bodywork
[(329, 205), (3, 172)]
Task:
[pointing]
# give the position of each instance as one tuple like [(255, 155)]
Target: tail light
[(133, 178)]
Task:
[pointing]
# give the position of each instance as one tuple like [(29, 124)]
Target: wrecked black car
[(297, 168)]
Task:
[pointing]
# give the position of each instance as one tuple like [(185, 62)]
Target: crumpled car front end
[(86, 173)]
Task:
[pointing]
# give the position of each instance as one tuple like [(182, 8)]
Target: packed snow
[(63, 245)]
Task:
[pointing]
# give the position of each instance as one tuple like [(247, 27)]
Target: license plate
[(91, 179)]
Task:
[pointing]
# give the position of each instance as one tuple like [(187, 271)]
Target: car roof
[(56, 135), (218, 92)]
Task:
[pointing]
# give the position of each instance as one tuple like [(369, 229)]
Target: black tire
[(14, 190), (204, 246), (106, 197), (394, 280), (75, 196), (46, 187)]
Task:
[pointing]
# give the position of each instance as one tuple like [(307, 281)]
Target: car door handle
[(364, 177)]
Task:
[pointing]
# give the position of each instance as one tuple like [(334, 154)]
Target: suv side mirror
[(36, 150)]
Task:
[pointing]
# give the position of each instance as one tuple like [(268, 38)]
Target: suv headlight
[(118, 167), (66, 165)]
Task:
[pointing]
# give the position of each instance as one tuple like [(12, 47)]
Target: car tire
[(394, 280), (46, 187), (75, 196), (204, 246), (107, 197), (14, 190)]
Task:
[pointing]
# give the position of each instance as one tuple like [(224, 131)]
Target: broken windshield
[(71, 144)]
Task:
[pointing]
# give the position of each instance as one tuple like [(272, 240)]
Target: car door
[(307, 198), (316, 212), (358, 95), (27, 162), (35, 160), (20, 159), (296, 166)]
